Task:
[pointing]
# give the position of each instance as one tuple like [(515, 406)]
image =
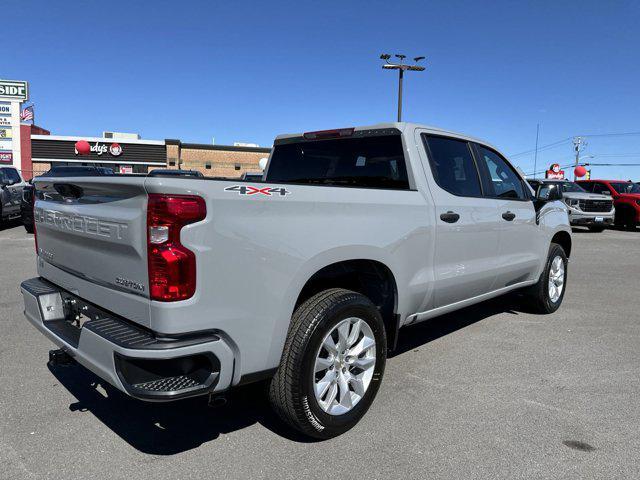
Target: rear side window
[(453, 166), (504, 181), (366, 162)]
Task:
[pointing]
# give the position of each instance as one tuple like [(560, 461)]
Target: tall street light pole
[(401, 67)]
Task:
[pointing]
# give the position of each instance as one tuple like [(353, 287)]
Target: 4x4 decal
[(251, 190)]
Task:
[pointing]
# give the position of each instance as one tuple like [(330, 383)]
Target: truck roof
[(402, 126)]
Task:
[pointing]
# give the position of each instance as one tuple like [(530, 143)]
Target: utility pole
[(578, 144), (401, 67)]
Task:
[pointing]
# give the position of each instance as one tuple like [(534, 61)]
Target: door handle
[(449, 217), (508, 216)]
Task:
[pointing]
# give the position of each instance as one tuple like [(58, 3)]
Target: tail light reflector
[(172, 266)]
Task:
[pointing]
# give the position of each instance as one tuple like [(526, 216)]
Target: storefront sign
[(15, 90), (5, 133), (126, 169), (555, 172), (5, 121), (6, 144), (5, 109), (99, 148), (6, 157)]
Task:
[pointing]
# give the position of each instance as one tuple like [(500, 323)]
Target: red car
[(626, 198)]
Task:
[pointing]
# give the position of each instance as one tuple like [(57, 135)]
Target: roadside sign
[(6, 157), (5, 133), (14, 89)]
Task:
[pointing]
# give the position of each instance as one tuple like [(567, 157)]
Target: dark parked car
[(11, 185), (26, 205)]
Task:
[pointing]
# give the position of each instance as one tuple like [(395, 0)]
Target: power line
[(617, 154), (611, 134), (613, 164), (544, 147), (569, 139)]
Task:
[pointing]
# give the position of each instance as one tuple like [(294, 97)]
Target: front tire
[(332, 364), (547, 294)]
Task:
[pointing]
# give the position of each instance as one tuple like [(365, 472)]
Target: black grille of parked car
[(596, 205)]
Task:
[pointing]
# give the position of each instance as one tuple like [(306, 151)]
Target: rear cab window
[(360, 161)]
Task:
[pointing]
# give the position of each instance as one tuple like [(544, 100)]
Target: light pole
[(401, 67)]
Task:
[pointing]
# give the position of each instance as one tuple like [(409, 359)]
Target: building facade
[(41, 151), (215, 160)]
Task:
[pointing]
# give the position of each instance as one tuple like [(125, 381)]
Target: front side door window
[(504, 182)]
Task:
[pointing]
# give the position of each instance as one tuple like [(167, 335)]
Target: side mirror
[(548, 193)]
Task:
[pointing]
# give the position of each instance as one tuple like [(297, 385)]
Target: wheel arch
[(369, 277), (563, 239)]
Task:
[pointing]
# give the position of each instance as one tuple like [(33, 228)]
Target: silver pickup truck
[(176, 287)]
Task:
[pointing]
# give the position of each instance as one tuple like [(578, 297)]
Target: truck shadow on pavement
[(170, 428)]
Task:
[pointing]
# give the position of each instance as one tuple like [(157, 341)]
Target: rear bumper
[(135, 360)]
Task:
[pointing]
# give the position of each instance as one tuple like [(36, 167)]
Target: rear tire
[(330, 370), (625, 218), (547, 294)]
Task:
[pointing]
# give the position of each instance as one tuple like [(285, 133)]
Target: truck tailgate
[(91, 237)]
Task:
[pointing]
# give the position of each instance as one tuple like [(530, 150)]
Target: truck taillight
[(172, 266)]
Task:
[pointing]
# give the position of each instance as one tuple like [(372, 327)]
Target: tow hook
[(218, 400), (60, 358)]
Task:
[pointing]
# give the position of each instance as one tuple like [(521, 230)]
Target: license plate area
[(65, 315), (599, 219)]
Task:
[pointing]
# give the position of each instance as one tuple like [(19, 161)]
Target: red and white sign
[(115, 149), (6, 157), (99, 148), (554, 172), (126, 169)]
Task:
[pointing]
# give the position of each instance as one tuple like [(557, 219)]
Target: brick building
[(41, 151), (214, 160)]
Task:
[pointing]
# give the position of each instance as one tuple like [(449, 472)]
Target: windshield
[(625, 187), (571, 187)]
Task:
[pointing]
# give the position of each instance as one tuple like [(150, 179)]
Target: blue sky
[(246, 71)]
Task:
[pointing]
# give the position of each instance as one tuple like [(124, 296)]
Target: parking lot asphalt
[(487, 392)]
